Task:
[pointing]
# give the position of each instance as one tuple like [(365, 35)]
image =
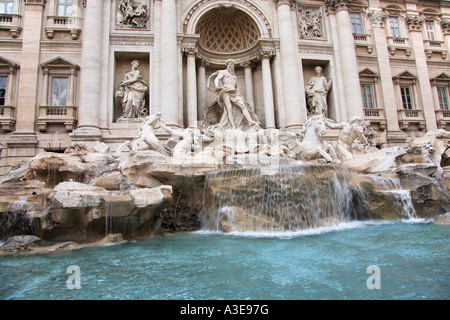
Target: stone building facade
[(63, 61)]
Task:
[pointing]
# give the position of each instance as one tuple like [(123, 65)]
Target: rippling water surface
[(323, 263)]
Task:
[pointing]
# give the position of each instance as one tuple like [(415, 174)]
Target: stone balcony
[(11, 22), (432, 46), (63, 24), (57, 114), (363, 40), (7, 118), (397, 43), (376, 116), (410, 116), (442, 118)]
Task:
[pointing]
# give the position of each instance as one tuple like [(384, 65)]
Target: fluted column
[(394, 134), (269, 110), (294, 99), (90, 74), (349, 64), (169, 63), (249, 91), (191, 80), (415, 36)]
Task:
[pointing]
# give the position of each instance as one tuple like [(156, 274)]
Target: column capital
[(414, 22), (291, 3), (189, 50), (336, 5), (445, 23), (265, 54), (202, 62), (247, 64), (377, 18)]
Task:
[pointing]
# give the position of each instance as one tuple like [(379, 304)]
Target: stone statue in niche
[(317, 91), (233, 110), (132, 13), (310, 24), (132, 90)]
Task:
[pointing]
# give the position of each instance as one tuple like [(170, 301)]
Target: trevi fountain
[(228, 210)]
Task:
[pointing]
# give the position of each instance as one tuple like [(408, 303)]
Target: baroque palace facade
[(63, 64)]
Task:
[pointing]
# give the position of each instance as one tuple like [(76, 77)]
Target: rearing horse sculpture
[(311, 146)]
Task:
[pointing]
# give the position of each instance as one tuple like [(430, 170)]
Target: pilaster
[(394, 134), (415, 23), (90, 75), (348, 61), (23, 141)]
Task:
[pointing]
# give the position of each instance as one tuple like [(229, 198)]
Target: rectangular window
[(407, 97), (3, 81), (64, 8), (59, 91), (367, 95), (429, 27), (443, 98), (395, 27), (6, 6), (356, 22)]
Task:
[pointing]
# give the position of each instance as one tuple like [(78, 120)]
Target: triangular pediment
[(5, 63), (405, 75), (59, 62), (442, 77), (368, 73)]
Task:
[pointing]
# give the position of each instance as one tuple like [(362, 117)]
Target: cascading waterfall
[(108, 217), (293, 197), (280, 198), (403, 202), (16, 220)]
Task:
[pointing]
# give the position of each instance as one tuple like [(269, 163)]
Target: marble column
[(201, 86), (90, 74), (155, 89), (352, 88), (394, 134), (415, 36), (191, 82), (249, 91), (294, 99), (23, 141), (269, 111), (169, 63)]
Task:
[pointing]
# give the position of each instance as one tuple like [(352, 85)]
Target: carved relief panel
[(132, 14), (310, 23)]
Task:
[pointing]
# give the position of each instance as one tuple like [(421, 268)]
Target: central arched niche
[(227, 30)]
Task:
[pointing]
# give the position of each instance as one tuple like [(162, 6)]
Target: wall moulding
[(131, 39)]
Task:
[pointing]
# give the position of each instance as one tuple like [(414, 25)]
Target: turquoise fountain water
[(281, 257), (322, 263)]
